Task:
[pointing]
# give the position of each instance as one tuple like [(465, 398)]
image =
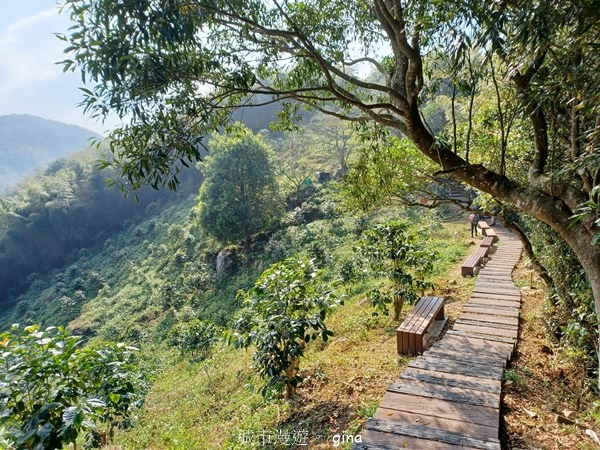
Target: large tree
[(238, 196), (177, 68)]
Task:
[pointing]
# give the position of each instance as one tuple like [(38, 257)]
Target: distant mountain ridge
[(28, 142)]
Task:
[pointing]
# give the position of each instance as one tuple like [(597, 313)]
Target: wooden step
[(471, 308), (450, 393), (473, 430), (464, 356), (486, 330), (483, 337), (452, 379), (496, 297), (433, 434), (497, 293), (486, 301), (489, 323), (452, 366), (461, 340), (376, 440), (444, 409), (502, 287)]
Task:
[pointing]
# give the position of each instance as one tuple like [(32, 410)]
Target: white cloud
[(30, 80), (28, 51), (32, 20)]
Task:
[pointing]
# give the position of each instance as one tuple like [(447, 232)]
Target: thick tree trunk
[(533, 199)]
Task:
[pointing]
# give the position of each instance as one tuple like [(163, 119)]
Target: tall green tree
[(156, 61), (239, 194)]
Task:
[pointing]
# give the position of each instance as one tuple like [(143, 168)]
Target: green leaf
[(96, 403), (45, 431)]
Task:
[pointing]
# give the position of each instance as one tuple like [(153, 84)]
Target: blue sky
[(30, 81)]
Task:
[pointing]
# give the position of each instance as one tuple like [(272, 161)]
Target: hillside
[(68, 210), (159, 275), (179, 299), (28, 142)]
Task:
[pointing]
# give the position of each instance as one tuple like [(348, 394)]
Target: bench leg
[(418, 344), (440, 315)]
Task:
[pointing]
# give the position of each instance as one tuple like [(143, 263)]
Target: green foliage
[(511, 375), (349, 271), (570, 310), (285, 310), (320, 144), (54, 390), (397, 255), (194, 337), (239, 195), (57, 217), (128, 306), (381, 175), (495, 69)]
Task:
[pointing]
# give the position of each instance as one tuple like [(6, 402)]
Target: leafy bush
[(397, 255), (170, 296), (179, 258), (194, 337), (54, 390), (349, 271), (285, 309)]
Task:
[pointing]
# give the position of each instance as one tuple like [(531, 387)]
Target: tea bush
[(54, 391)]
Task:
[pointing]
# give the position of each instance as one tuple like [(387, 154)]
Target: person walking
[(474, 218), (494, 214)]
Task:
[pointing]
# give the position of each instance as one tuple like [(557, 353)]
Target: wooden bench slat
[(490, 233), (410, 332), (476, 259), (415, 336), (487, 241), (429, 305), (408, 323), (403, 331)]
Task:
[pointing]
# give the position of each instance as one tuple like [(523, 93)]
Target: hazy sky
[(30, 81)]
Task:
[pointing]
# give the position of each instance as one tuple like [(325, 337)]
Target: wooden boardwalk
[(449, 397)]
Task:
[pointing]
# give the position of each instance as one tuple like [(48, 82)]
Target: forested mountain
[(66, 210), (28, 142)]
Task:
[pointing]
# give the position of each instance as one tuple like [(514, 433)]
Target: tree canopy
[(177, 69), (238, 196)]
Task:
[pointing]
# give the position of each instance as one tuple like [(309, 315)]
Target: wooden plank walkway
[(449, 397)]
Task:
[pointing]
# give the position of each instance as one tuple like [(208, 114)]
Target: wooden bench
[(410, 333), (491, 233), (483, 226), (487, 241), (475, 260)]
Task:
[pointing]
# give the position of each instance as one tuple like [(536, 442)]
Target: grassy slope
[(209, 404)]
